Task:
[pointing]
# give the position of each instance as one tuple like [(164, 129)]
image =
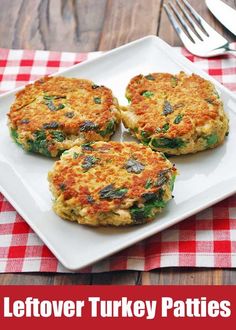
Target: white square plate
[(205, 178)]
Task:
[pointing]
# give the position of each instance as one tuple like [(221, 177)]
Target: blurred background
[(89, 25)]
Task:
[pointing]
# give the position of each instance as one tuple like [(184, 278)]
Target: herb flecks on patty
[(133, 165), (175, 113), (81, 111), (114, 184)]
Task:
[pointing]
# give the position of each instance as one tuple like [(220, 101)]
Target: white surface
[(204, 179)]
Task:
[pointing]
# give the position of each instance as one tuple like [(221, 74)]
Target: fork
[(201, 39)]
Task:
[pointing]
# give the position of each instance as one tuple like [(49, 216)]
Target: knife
[(224, 13)]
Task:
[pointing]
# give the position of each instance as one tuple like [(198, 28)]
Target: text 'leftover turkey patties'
[(111, 183), (175, 114), (55, 113)]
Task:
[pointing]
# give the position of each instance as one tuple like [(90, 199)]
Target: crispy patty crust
[(111, 183), (55, 113), (175, 114)]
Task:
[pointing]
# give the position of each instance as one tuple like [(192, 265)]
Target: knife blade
[(224, 13)]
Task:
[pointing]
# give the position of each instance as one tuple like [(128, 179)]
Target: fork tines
[(191, 19), (196, 34)]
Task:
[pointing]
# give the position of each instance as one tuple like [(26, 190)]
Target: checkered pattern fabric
[(207, 239)]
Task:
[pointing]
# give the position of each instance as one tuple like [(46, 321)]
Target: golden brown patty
[(55, 113), (175, 114), (111, 183)]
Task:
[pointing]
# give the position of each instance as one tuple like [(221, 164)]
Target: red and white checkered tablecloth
[(207, 239)]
